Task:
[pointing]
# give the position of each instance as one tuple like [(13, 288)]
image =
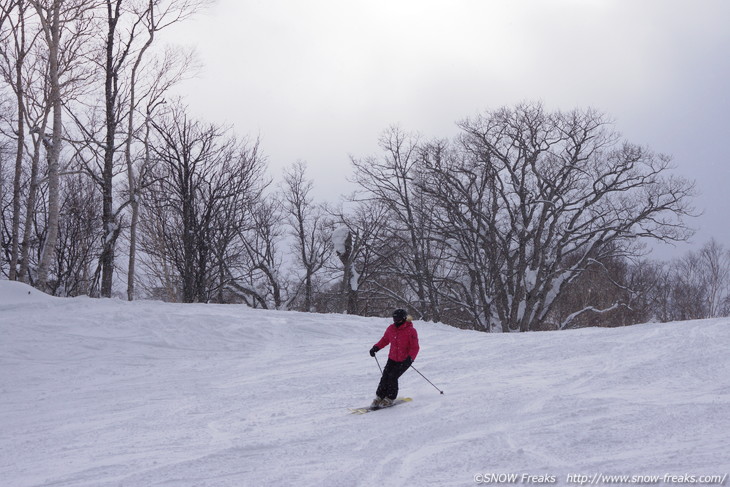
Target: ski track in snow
[(111, 393)]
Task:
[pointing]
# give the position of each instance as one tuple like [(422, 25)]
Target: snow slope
[(111, 393)]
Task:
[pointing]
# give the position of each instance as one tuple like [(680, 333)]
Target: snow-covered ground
[(106, 392)]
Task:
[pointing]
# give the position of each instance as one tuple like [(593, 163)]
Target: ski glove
[(408, 361), (373, 350)]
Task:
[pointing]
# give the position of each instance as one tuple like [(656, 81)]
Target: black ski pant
[(388, 386)]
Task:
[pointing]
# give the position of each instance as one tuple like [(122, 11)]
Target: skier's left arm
[(413, 346)]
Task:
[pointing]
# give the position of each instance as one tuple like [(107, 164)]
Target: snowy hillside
[(110, 393)]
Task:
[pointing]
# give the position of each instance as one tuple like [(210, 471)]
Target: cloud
[(321, 79)]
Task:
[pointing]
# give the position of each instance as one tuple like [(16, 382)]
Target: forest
[(528, 219)]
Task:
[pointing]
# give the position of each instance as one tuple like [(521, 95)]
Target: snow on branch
[(568, 321)]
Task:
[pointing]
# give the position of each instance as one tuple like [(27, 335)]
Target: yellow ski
[(368, 409)]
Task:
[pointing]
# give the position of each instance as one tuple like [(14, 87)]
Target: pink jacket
[(403, 342)]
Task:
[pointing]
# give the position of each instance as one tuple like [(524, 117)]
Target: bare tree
[(359, 239), (689, 288), (24, 66), (117, 50), (158, 243), (71, 18), (257, 274), (6, 8), (5, 237), (38, 112), (464, 195), (394, 180), (168, 72), (715, 260), (12, 70), (124, 38), (699, 283), (616, 292), (308, 222), (202, 173), (50, 17), (544, 195), (661, 292), (78, 240)]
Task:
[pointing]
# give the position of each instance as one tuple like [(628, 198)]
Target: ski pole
[(378, 362), (419, 373)]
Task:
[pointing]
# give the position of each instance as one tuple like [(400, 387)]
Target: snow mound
[(15, 293), (111, 393)]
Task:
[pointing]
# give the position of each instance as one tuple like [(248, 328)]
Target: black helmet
[(400, 315)]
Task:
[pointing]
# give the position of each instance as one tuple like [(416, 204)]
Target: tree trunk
[(349, 295), (308, 291), (109, 223), (188, 241), (14, 250), (53, 35), (133, 198), (24, 274)]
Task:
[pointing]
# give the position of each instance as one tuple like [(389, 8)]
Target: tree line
[(526, 220)]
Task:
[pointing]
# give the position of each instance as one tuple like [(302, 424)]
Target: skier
[(403, 341)]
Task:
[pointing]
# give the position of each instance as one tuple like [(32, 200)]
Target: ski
[(368, 409)]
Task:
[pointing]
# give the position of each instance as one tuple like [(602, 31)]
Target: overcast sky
[(319, 80)]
